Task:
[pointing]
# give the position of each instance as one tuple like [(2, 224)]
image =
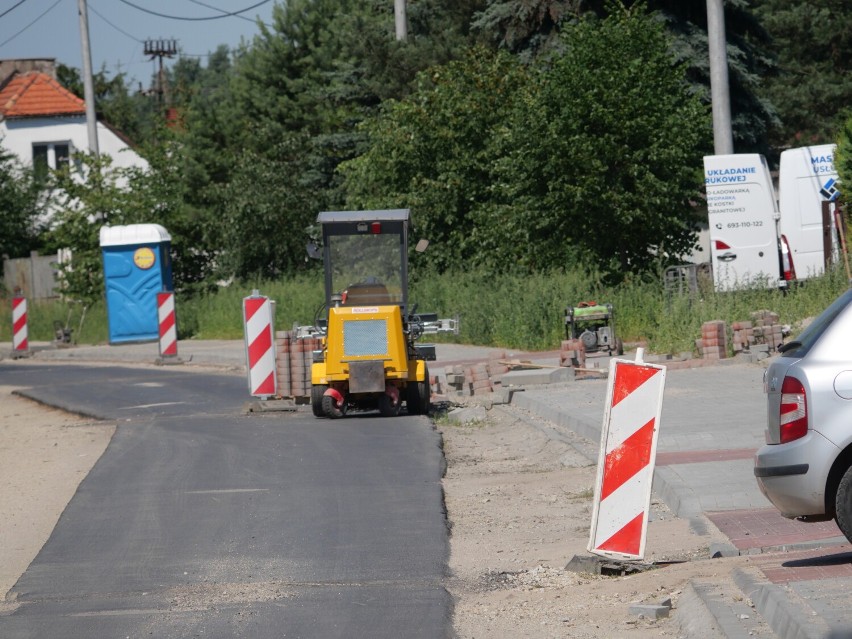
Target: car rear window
[(800, 346)]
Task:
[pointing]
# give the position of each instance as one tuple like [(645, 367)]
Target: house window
[(40, 163), (50, 156)]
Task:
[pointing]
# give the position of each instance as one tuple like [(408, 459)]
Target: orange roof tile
[(36, 94)]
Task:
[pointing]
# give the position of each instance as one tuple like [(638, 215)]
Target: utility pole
[(161, 49), (723, 138), (400, 19), (88, 82)]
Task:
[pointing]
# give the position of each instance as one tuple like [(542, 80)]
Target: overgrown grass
[(508, 311)]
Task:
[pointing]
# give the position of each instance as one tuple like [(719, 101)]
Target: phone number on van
[(744, 225)]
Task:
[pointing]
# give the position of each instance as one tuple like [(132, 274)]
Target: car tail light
[(794, 410), (787, 266), (722, 246)]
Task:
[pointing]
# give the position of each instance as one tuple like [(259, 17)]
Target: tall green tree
[(605, 156), (812, 87), (79, 208), (530, 28), (436, 152), (21, 202), (843, 158), (264, 230), (302, 86)]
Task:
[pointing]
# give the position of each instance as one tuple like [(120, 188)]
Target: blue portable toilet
[(137, 266)]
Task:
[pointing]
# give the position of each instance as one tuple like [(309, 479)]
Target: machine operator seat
[(370, 292)]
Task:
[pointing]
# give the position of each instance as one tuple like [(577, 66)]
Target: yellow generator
[(369, 359)]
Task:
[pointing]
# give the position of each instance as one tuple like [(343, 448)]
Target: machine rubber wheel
[(316, 399), (330, 409), (843, 505), (619, 346), (418, 396), (387, 407)]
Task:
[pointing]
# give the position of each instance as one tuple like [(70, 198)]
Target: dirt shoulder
[(44, 455), (520, 507)]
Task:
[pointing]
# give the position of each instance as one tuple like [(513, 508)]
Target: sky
[(118, 30)]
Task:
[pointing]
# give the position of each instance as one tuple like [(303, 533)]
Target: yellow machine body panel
[(363, 334)]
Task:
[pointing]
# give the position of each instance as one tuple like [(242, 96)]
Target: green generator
[(594, 325)]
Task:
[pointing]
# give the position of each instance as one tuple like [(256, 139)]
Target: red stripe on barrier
[(628, 379), (260, 346), (626, 460), (253, 305), (21, 323), (267, 387), (167, 323), (628, 539), (17, 301)]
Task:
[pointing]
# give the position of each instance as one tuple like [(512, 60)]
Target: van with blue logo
[(806, 179), (760, 239)]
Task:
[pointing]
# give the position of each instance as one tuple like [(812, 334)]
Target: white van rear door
[(742, 213), (806, 179)]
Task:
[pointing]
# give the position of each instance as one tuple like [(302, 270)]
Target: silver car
[(805, 468)]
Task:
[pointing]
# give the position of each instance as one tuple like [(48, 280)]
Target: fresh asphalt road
[(199, 520)]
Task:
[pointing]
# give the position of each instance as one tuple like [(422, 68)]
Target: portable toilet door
[(137, 266)]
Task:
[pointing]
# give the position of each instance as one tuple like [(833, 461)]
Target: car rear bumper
[(793, 476)]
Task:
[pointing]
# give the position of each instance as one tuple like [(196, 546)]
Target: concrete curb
[(787, 618), (679, 498), (557, 417)]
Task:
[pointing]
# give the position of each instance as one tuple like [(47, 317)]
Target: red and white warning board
[(20, 335), (628, 451), (260, 353), (167, 324)]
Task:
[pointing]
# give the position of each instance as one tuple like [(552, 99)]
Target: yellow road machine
[(369, 359)]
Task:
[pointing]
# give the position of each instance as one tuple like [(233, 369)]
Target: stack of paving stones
[(572, 353), (455, 380), (293, 363), (477, 379), (762, 335), (714, 340), (497, 367)]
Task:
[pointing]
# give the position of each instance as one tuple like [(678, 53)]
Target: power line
[(119, 29), (224, 15), (12, 8), (210, 6), (48, 10)]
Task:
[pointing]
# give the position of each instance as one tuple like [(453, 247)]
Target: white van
[(806, 179), (758, 240), (743, 217)]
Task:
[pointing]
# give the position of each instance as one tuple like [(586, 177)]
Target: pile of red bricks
[(762, 334), (572, 353), (293, 363), (762, 329), (714, 340), (478, 379)]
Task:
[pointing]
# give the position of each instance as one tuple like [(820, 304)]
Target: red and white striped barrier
[(20, 335), (260, 352), (167, 324), (627, 456)]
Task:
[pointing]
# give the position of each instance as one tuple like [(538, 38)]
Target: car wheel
[(316, 399), (331, 409), (388, 407), (843, 505), (418, 396)]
